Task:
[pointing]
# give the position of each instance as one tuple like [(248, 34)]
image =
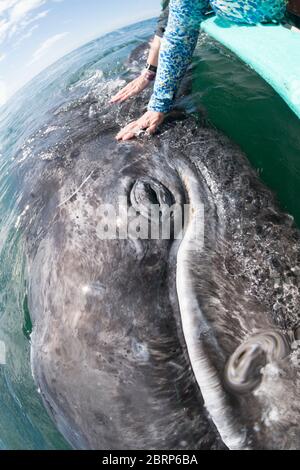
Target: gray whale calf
[(156, 344)]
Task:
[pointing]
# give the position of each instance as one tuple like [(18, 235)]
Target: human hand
[(148, 122), (131, 89)]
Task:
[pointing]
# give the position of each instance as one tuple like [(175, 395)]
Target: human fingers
[(152, 129), (132, 127), (120, 93)]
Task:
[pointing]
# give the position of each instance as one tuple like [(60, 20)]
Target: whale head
[(148, 332)]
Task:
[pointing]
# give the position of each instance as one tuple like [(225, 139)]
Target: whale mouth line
[(198, 334)]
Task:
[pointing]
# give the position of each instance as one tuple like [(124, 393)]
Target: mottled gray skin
[(108, 351)]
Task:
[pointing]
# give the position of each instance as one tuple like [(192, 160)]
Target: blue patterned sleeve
[(176, 52)]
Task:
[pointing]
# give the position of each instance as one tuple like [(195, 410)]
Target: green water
[(238, 102)]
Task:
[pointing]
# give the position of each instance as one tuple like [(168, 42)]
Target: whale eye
[(243, 370), (147, 193)]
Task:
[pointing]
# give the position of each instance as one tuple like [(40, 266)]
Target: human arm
[(176, 52), (137, 85)]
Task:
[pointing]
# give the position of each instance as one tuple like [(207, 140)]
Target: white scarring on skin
[(193, 322), (77, 190)]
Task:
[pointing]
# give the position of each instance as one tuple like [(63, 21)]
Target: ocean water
[(242, 105), (226, 92)]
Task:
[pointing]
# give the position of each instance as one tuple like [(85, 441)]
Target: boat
[(272, 50)]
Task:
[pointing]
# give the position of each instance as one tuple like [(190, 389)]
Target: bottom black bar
[(128, 459)]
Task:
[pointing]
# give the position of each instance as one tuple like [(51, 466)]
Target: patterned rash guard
[(181, 35)]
